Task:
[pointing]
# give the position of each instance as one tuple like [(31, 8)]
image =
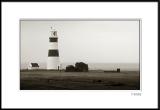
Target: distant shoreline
[(105, 71), (95, 66)]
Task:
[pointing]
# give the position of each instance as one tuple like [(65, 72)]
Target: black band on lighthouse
[(53, 53), (51, 39)]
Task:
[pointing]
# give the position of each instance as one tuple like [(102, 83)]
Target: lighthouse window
[(55, 33), (53, 53), (53, 39)]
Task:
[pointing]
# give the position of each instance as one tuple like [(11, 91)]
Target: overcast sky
[(87, 41)]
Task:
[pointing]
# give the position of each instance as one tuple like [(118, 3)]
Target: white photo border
[(12, 97)]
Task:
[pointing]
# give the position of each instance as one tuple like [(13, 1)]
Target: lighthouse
[(53, 53)]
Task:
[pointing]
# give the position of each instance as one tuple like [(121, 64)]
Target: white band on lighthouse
[(53, 63), (53, 53), (53, 45)]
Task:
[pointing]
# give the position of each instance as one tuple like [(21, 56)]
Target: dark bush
[(70, 68), (81, 67)]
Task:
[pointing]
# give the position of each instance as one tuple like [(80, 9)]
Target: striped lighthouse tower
[(53, 53)]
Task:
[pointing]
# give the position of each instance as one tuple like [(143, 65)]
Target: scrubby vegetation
[(79, 67), (70, 68)]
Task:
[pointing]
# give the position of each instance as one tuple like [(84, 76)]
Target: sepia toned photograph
[(80, 54)]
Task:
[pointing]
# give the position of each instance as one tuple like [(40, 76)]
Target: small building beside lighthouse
[(53, 53), (33, 66)]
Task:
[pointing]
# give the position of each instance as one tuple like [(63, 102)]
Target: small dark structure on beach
[(118, 70), (79, 67), (113, 71)]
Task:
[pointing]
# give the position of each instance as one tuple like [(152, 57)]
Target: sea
[(94, 66)]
